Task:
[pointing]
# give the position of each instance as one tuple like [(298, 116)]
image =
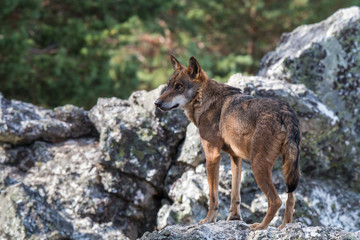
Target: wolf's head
[(182, 86)]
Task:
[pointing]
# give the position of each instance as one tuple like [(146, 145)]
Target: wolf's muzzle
[(158, 103), (164, 107)]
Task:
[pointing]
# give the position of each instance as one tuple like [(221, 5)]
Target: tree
[(54, 52)]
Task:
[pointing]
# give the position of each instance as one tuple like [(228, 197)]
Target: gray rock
[(294, 43), (8, 176), (318, 203), (133, 133), (25, 213), (174, 173), (191, 152), (324, 56), (190, 155), (75, 180), (24, 123), (139, 144), (240, 230), (61, 196), (25, 157)]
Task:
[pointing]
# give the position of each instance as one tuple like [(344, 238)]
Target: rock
[(23, 123), (90, 187), (25, 212), (324, 56), (190, 155), (240, 230), (218, 230), (311, 111), (139, 145), (174, 173), (61, 196), (332, 203), (191, 152), (9, 176), (25, 157), (133, 133), (318, 203)]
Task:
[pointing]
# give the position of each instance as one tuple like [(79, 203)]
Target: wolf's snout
[(158, 103)]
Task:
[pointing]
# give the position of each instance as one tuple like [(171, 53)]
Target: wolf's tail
[(291, 150)]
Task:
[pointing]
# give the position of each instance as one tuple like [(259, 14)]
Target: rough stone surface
[(94, 189), (325, 57), (133, 135), (191, 152), (24, 123), (59, 197), (240, 230)]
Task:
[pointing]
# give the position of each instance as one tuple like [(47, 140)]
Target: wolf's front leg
[(212, 168), (234, 212)]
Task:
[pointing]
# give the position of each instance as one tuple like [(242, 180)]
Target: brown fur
[(258, 129)]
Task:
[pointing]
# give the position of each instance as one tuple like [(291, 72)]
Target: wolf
[(245, 127)]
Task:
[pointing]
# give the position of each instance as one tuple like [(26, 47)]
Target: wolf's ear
[(194, 68), (176, 64)]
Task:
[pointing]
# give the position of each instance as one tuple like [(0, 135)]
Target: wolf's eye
[(178, 86)]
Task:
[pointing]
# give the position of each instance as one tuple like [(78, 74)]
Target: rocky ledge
[(238, 230)]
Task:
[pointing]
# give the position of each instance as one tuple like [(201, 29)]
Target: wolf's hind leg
[(262, 173), (289, 210), (234, 212)]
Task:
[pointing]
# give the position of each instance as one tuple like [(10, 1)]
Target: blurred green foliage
[(54, 52)]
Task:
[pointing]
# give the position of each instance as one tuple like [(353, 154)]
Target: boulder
[(61, 196), (93, 189), (240, 230), (324, 56), (139, 145), (136, 138), (25, 212), (23, 123), (191, 152)]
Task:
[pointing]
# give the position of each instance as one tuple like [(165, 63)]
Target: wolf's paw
[(257, 226), (207, 220), (210, 218), (233, 216), (281, 226)]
